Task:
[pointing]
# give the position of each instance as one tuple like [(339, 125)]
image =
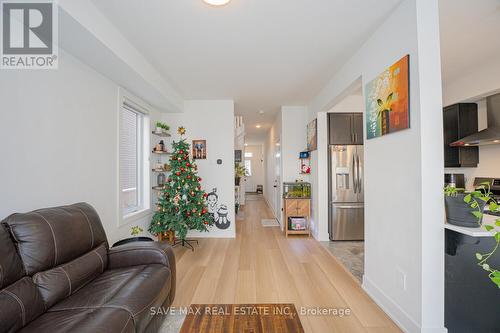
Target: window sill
[(135, 216)]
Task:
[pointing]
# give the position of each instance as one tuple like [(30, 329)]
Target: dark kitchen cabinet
[(345, 128), (460, 120)]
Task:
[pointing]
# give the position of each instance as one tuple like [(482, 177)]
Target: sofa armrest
[(141, 253)]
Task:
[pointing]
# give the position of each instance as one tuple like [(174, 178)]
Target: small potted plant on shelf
[(135, 231), (239, 172), (161, 127), (462, 207)]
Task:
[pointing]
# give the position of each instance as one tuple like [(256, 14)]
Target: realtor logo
[(29, 35)]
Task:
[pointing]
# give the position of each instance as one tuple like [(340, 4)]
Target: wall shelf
[(161, 152), (158, 188), (159, 170), (162, 135)]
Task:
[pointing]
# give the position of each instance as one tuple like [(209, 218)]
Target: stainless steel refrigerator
[(347, 210)]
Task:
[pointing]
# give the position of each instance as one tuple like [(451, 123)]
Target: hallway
[(262, 266)]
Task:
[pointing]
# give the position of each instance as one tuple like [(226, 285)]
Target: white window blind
[(131, 159)]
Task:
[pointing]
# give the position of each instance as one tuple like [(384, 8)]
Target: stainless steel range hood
[(489, 136)]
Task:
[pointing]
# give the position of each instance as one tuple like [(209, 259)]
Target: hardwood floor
[(262, 266)]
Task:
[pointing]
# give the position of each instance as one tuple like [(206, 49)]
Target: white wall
[(404, 233), (293, 141), (273, 166), (213, 121), (60, 141), (257, 164)]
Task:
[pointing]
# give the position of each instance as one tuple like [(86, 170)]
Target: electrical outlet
[(402, 279)]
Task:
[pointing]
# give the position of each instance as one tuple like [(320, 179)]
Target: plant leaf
[(496, 280), (380, 102), (479, 215), (467, 198), (497, 223), (488, 227), (493, 206), (389, 98), (497, 236), (479, 256)]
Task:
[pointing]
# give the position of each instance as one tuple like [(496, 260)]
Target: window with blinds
[(131, 160)]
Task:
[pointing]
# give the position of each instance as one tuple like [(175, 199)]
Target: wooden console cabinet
[(297, 208)]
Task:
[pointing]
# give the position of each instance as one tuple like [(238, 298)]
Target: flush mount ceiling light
[(217, 2), (258, 126)]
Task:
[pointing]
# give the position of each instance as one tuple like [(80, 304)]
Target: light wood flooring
[(262, 266)]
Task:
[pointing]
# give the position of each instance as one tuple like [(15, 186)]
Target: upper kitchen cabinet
[(345, 128), (460, 120)]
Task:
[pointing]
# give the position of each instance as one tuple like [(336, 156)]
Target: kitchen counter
[(475, 232)]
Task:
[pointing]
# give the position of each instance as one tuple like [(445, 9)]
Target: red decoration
[(181, 151), (199, 179), (182, 169), (206, 222), (188, 213), (177, 173), (205, 195), (189, 177), (187, 164), (204, 211)]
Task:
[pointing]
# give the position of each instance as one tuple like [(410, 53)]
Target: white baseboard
[(398, 315), (394, 311)]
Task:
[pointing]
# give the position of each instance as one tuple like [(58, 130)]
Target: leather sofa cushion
[(50, 237), (63, 281), (103, 320), (135, 289), (11, 268), (20, 303)]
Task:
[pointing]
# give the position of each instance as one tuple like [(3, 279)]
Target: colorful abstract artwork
[(387, 100)]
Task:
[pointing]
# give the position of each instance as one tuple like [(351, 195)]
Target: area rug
[(235, 318), (269, 223)]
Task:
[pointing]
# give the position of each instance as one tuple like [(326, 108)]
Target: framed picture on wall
[(312, 135), (200, 149), (238, 156), (387, 100)]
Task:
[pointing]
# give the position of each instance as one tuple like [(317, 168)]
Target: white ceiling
[(261, 53), (469, 35)]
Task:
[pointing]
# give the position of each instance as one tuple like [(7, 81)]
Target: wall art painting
[(387, 99), (312, 135)]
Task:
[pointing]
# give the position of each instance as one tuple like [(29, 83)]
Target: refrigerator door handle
[(349, 207), (358, 173), (354, 178)]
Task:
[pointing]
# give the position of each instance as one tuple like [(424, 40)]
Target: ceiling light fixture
[(217, 2), (258, 126)]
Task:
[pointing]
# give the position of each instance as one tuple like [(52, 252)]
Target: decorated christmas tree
[(181, 203)]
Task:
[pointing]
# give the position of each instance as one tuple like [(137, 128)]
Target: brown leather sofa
[(57, 274)]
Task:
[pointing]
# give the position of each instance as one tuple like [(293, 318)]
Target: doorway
[(346, 182)]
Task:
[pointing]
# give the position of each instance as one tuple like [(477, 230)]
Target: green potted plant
[(161, 127), (473, 204), (135, 231), (462, 208), (239, 172)]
